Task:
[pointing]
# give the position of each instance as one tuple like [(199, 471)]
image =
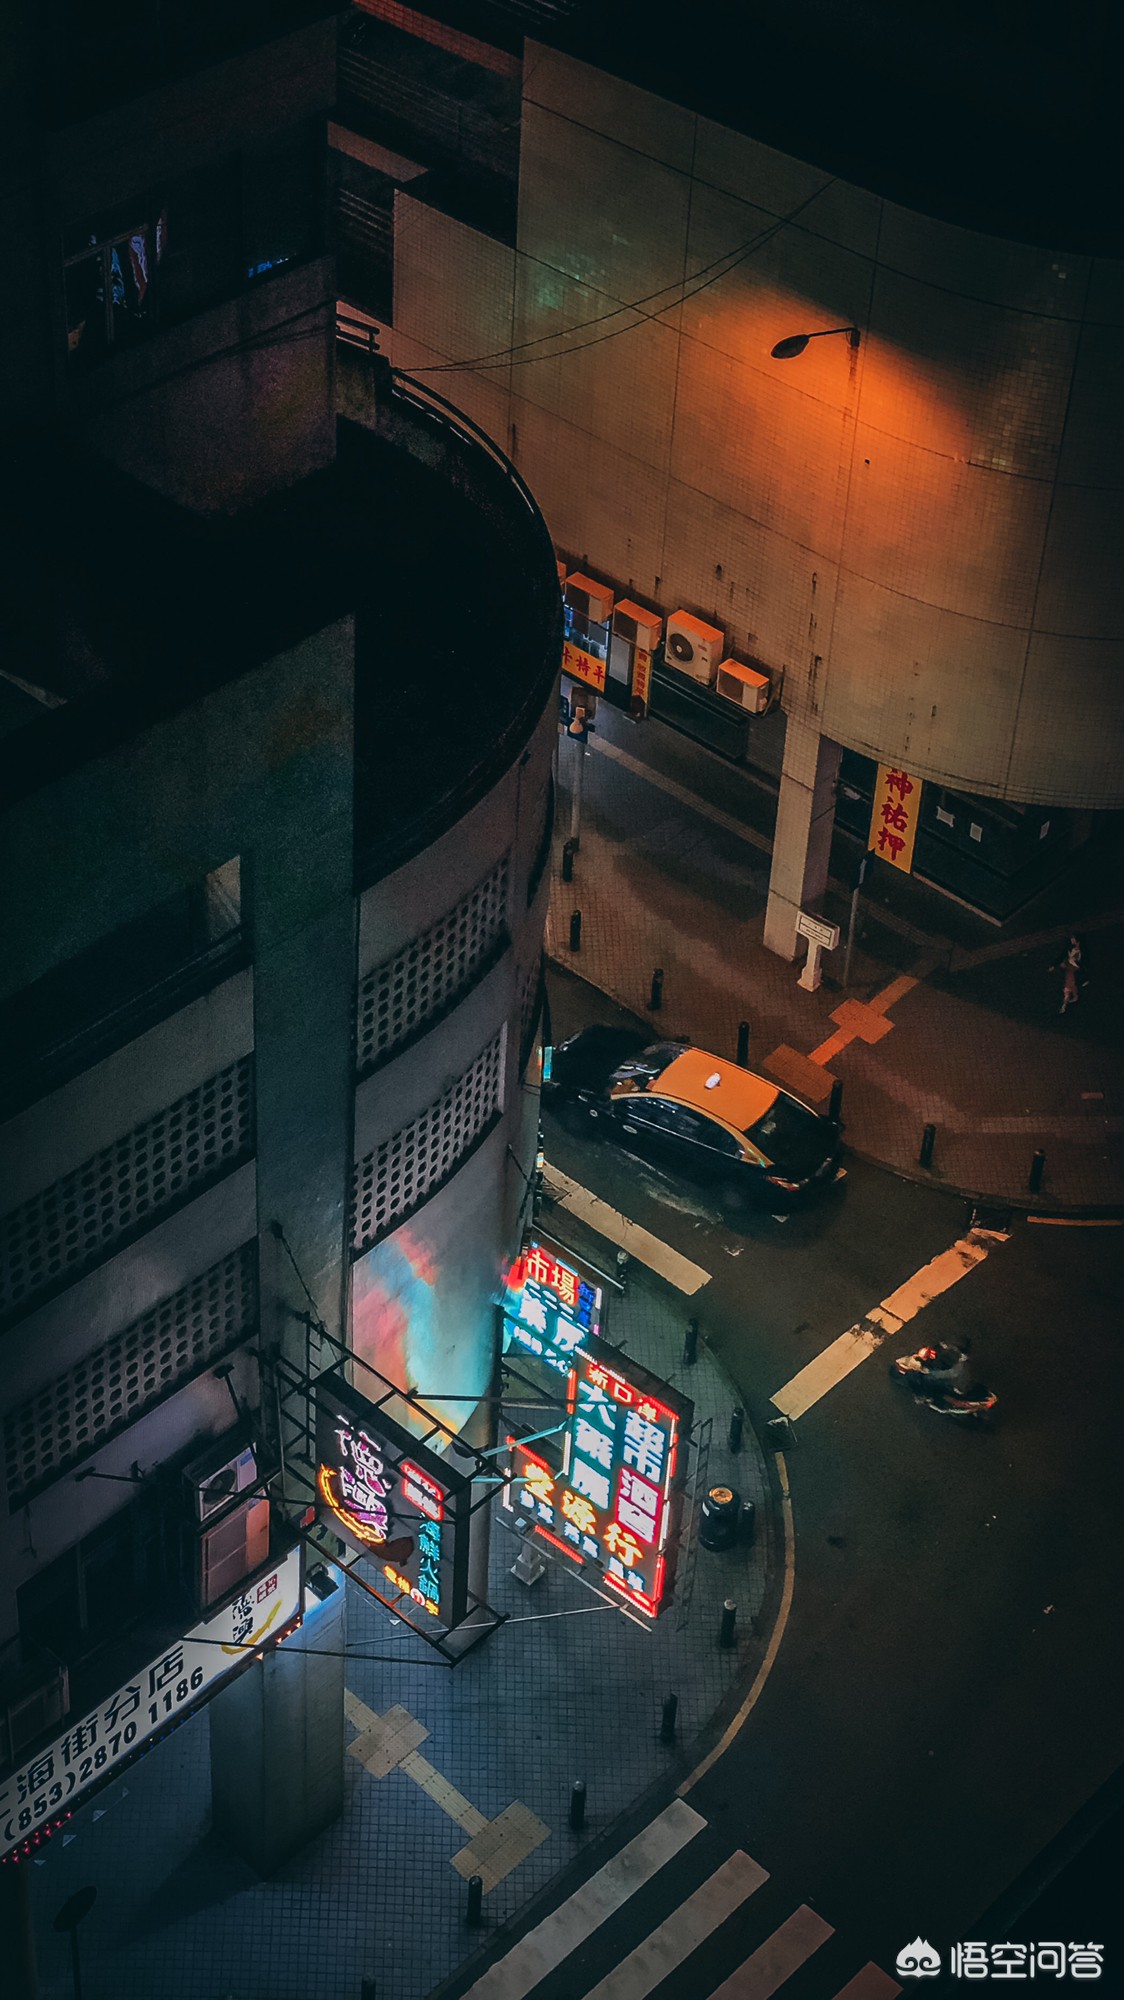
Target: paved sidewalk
[(450, 1772), (960, 1031)]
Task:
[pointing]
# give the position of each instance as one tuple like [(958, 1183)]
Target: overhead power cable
[(686, 288)]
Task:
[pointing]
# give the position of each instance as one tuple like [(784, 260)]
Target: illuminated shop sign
[(50, 1785), (394, 1500), (549, 1308), (613, 1502)]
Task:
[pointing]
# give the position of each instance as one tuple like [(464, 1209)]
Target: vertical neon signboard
[(394, 1500), (549, 1308), (613, 1504)]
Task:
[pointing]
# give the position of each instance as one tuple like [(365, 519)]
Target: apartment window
[(102, 1585), (282, 199), (111, 266)]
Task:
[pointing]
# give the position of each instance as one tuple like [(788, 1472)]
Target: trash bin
[(721, 1518)]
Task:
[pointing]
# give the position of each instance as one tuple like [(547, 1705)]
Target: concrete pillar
[(277, 1743), (802, 843), (17, 1948)]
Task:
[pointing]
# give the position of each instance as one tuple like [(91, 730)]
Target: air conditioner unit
[(638, 625), (219, 1476), (693, 647), (589, 598), (744, 685), (230, 1549)]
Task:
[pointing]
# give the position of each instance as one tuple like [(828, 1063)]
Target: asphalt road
[(946, 1696)]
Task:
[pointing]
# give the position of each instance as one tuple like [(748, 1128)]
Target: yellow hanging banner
[(893, 822), (583, 666)]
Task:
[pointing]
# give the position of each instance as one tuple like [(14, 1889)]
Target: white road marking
[(770, 1965), (647, 1249), (869, 1984), (860, 1341), (686, 1928), (514, 1976)]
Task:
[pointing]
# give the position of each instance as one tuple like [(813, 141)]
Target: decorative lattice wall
[(112, 1386), (406, 1167), (398, 998), (77, 1221)]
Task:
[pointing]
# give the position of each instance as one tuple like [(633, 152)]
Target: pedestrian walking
[(1070, 968)]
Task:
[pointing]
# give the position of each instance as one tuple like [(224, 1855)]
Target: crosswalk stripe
[(679, 1934), (870, 1984), (513, 1977), (640, 1243), (843, 1355), (770, 1965)]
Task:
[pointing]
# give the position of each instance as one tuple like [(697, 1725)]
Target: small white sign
[(825, 935), (53, 1781)]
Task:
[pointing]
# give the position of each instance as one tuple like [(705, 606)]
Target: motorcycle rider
[(947, 1373)]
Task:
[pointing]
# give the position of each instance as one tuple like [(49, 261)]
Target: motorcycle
[(931, 1376)]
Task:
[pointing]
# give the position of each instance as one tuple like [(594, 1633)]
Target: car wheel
[(734, 1201)]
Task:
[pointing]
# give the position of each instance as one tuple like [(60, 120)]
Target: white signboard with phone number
[(53, 1781)]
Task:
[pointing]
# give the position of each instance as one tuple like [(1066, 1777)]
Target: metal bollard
[(737, 1424), (747, 1523), (667, 1723), (576, 931), (726, 1634), (1037, 1169), (473, 1915), (742, 1056), (691, 1344), (577, 1805), (835, 1101), (928, 1140), (569, 849), (655, 999), (367, 1990)]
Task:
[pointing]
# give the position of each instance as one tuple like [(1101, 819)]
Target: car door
[(702, 1150), (642, 1124)]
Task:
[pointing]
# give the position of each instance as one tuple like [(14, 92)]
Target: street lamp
[(795, 343)]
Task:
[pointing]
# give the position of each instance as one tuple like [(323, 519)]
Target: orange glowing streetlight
[(795, 343)]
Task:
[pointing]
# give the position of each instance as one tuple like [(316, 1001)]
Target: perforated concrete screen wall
[(399, 997), (77, 1220), (390, 1181), (114, 1384)]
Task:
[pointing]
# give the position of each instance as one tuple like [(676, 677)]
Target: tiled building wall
[(923, 535)]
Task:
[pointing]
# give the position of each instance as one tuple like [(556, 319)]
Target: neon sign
[(396, 1501), (550, 1310), (613, 1501)]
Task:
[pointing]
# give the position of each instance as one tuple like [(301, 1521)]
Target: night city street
[(561, 1068)]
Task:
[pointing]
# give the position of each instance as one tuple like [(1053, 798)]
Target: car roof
[(739, 1098)]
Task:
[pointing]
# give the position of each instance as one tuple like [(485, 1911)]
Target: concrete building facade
[(913, 533), (275, 813)]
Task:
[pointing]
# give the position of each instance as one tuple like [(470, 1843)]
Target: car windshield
[(650, 1063), (786, 1124)]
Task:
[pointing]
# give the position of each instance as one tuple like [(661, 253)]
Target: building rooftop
[(996, 118), (123, 607)]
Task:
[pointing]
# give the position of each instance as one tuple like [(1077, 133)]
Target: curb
[(1042, 1211)]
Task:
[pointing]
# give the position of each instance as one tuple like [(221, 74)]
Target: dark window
[(282, 200), (201, 254), (110, 281), (785, 1124), (99, 1587)]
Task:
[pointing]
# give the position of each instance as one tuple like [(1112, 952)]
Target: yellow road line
[(891, 994), (771, 1651), (834, 1046), (1079, 1221)]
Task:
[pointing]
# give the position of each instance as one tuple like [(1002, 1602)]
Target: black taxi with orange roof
[(719, 1125)]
